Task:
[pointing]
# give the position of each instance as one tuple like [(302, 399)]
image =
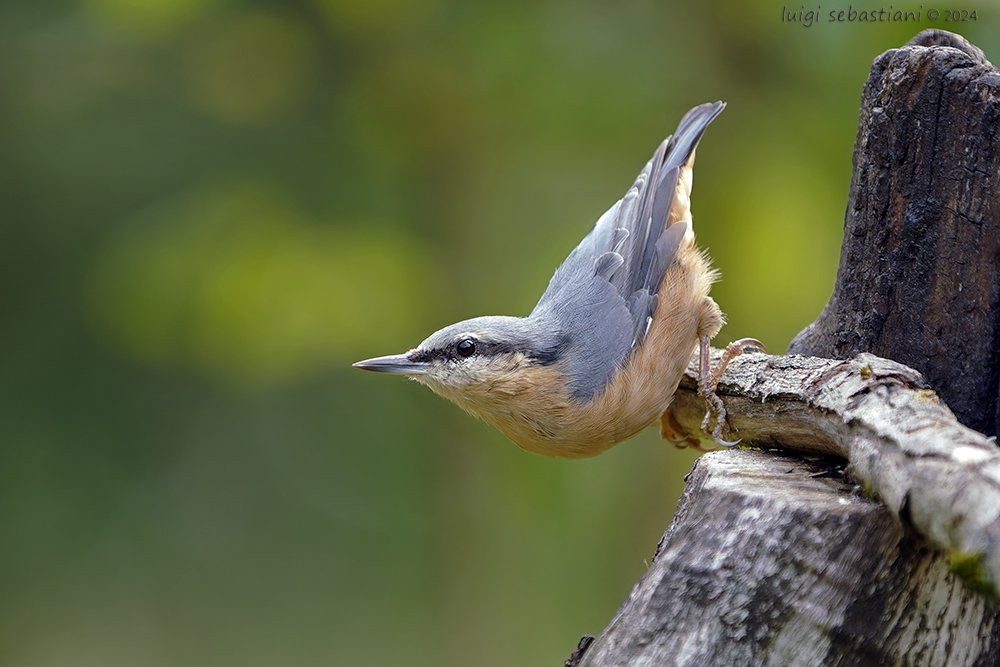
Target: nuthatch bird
[(601, 355)]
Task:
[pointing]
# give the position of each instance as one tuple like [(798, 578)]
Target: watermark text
[(807, 18)]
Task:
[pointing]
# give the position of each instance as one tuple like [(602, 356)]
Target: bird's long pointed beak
[(397, 364)]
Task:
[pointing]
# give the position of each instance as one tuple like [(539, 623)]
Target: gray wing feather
[(607, 264), (603, 297)]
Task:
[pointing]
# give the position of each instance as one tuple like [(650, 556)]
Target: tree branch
[(904, 445)]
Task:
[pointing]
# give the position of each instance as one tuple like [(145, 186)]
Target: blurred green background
[(210, 208)]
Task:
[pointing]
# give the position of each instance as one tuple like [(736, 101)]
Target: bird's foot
[(674, 433), (708, 382)]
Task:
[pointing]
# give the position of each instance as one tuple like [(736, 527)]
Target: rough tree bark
[(919, 275), (773, 559)]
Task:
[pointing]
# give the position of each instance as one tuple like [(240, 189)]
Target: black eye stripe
[(486, 348), (425, 356), (467, 347)]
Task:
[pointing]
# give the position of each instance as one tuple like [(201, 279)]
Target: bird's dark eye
[(466, 348)]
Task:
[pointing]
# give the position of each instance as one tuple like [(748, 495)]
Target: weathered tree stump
[(773, 559), (919, 275)]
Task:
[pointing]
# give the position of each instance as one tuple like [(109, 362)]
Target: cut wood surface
[(766, 564)]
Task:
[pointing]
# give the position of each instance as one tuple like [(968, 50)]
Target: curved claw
[(747, 342), (722, 442), (720, 413), (709, 380), (674, 433)]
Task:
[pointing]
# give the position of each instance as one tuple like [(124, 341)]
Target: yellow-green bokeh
[(236, 284), (212, 207), (250, 68)]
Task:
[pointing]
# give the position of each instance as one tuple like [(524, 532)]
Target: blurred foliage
[(239, 285), (212, 207)]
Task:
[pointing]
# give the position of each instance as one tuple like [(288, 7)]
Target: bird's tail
[(680, 155), (672, 173)]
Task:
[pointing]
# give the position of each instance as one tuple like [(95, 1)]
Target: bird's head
[(484, 364)]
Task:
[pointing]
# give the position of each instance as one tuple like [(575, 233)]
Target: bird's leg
[(708, 382)]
